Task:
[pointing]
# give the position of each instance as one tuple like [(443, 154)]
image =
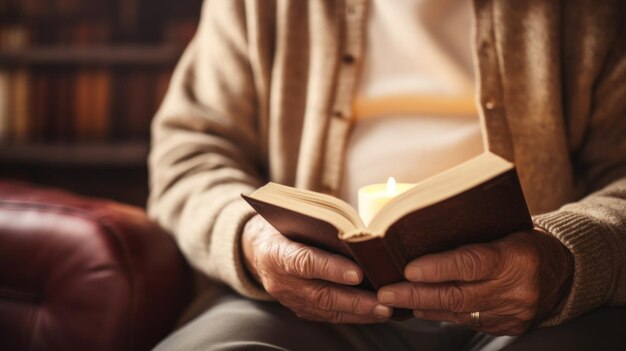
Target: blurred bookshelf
[(79, 84), (120, 55)]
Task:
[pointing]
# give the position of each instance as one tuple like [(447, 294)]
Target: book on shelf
[(39, 98), (87, 71), (477, 201), (20, 105), (92, 104), (82, 123), (101, 103), (14, 36), (62, 126), (87, 104), (62, 9), (5, 103)]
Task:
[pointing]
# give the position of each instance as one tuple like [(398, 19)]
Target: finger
[(467, 263), (455, 297), (313, 263), (342, 299)]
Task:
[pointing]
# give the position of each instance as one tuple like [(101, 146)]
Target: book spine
[(34, 132), (101, 104), (20, 106), (118, 105), (64, 107), (139, 106), (377, 261), (49, 118), (5, 106), (14, 37), (82, 121), (381, 265)]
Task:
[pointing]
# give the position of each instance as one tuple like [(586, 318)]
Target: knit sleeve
[(594, 228), (205, 148)]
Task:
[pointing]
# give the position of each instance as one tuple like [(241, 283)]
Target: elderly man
[(313, 93)]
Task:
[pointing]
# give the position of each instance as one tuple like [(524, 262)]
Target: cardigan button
[(484, 46), (490, 104), (348, 59), (338, 114)]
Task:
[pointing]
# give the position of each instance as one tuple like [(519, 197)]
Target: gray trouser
[(235, 323)]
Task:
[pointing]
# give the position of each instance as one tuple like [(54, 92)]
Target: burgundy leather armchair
[(84, 274)]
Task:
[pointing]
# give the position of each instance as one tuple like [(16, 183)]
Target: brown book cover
[(14, 36), (21, 111), (486, 209), (65, 111), (50, 118), (82, 121), (101, 103), (92, 104), (42, 105), (120, 101)]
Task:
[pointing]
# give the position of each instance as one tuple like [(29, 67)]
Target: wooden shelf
[(133, 154), (136, 55)]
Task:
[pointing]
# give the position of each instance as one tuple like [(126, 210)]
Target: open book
[(477, 201)]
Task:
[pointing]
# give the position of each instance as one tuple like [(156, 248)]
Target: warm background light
[(372, 198)]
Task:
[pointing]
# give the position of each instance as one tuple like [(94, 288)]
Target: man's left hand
[(514, 283)]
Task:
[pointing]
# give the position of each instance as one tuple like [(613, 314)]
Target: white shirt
[(414, 112)]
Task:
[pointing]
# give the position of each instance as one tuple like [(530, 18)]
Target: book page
[(322, 206)]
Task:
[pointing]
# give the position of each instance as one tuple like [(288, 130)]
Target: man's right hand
[(309, 281)]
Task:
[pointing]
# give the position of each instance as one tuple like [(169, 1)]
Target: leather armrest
[(84, 274)]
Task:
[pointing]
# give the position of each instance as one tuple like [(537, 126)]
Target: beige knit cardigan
[(264, 92)]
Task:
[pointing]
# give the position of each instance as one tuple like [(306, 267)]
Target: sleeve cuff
[(229, 253), (211, 237), (593, 266)]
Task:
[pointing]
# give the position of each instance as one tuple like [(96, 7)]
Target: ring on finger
[(474, 318)]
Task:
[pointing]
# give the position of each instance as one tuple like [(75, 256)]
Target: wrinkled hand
[(309, 281), (515, 283)]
